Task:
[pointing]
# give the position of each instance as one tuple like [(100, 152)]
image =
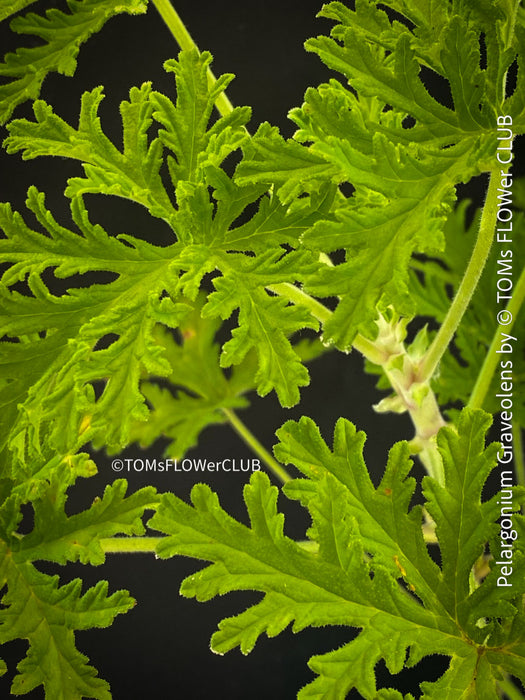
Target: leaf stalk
[(468, 284), (186, 43), (509, 690), (249, 438), (491, 360)]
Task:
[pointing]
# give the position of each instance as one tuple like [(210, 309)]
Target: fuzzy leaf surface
[(69, 345), (402, 600), (35, 606), (62, 34), (403, 174), (61, 371), (11, 7)]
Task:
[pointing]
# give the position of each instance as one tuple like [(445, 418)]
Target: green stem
[(424, 413), (492, 359), (319, 311), (186, 42), (252, 442), (519, 461), (468, 283), (293, 293), (509, 689), (369, 350), (130, 545)]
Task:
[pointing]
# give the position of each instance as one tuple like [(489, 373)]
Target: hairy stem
[(491, 360), (252, 442), (412, 395), (130, 545), (509, 690), (519, 457), (319, 311), (293, 293), (186, 42), (468, 283)]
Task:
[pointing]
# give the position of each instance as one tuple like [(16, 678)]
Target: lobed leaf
[(61, 332), (202, 388), (336, 584), (46, 615), (132, 173), (62, 34), (403, 174), (187, 133), (35, 607), (103, 337)]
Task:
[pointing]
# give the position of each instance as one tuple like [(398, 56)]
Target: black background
[(161, 648)]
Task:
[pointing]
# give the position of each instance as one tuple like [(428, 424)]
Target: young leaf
[(212, 234), (187, 132), (132, 174)]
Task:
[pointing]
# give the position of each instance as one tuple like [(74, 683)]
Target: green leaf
[(38, 610), (395, 82), (428, 19), (11, 7), (59, 538), (399, 597), (132, 174), (404, 176), (202, 388), (380, 57), (35, 607), (304, 588), (382, 514), (213, 242), (51, 370), (463, 524), (212, 233), (265, 321), (187, 132), (404, 211), (269, 159), (62, 34)]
